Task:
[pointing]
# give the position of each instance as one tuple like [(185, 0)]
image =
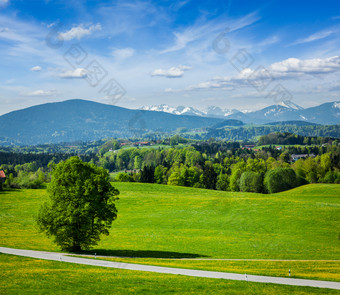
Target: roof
[(295, 156), (2, 174)]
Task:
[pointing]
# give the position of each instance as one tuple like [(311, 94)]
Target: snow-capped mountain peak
[(336, 105), (290, 105), (180, 110), (327, 113), (212, 111)]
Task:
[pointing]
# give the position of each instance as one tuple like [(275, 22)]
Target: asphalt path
[(63, 257)]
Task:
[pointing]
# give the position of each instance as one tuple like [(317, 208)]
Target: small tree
[(251, 182), (147, 174), (222, 182), (209, 177), (159, 174), (81, 205), (174, 178), (123, 177), (280, 179)]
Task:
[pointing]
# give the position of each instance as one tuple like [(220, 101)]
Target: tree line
[(250, 132), (210, 164), (233, 169)]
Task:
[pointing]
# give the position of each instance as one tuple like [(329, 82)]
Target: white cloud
[(291, 68), (317, 36), (78, 73), (123, 53), (51, 25), (36, 69), (79, 32), (204, 31), (174, 72), (39, 93), (3, 30)]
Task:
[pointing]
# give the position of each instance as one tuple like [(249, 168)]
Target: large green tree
[(81, 205)]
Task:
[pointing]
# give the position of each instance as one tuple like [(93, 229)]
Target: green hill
[(157, 221), (167, 221)]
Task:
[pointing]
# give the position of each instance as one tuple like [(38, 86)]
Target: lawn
[(158, 221), (33, 276), (325, 270), (179, 222)]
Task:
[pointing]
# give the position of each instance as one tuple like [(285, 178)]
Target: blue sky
[(231, 54)]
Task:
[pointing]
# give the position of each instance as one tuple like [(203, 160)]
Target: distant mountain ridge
[(327, 113), (212, 111), (83, 120)]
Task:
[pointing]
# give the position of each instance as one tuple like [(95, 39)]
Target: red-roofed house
[(2, 176)]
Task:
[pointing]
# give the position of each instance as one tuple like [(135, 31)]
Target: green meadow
[(169, 222), (20, 275)]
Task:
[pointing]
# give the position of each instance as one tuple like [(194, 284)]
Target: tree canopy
[(81, 205), (280, 179)]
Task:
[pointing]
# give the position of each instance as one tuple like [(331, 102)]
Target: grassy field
[(32, 276), (177, 222), (325, 270), (157, 221)]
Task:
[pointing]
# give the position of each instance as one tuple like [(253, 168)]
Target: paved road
[(218, 259), (167, 270)]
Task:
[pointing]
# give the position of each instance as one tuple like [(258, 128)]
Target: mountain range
[(212, 111), (82, 120), (327, 113)]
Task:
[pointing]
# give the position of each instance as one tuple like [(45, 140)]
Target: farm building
[(301, 156), (2, 176)]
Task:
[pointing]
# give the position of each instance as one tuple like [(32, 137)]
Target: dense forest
[(211, 164), (250, 132), (234, 169)]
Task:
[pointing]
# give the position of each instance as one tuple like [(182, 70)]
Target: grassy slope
[(164, 221), (313, 270), (32, 276), (185, 222)]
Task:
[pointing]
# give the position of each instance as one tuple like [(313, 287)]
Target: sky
[(232, 54)]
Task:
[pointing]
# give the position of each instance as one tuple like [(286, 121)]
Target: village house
[(249, 146), (296, 157), (2, 176)]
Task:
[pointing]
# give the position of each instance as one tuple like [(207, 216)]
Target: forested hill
[(251, 132), (74, 120)]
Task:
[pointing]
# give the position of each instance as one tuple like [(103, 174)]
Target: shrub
[(28, 180), (331, 177), (280, 179), (251, 182), (222, 182), (123, 177)]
